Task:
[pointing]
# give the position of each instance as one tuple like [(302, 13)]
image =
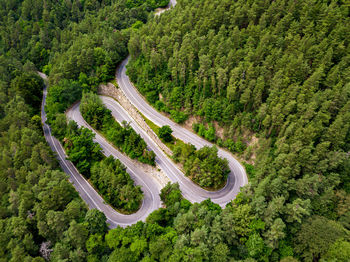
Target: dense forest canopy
[(276, 69), (40, 211), (203, 166)]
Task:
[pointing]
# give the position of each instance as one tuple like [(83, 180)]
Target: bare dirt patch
[(219, 130), (188, 124)]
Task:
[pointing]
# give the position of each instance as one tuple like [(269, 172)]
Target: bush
[(178, 117), (164, 133)]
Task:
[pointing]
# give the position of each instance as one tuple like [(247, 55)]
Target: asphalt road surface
[(150, 188), (237, 177), (190, 190)]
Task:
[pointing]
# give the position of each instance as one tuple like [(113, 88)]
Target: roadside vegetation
[(42, 216), (203, 166), (107, 175), (279, 69), (122, 136), (276, 69)]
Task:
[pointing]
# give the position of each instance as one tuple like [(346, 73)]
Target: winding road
[(150, 188), (190, 190), (236, 179)]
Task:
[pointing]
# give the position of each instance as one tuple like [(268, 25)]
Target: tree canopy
[(276, 69), (165, 133), (123, 136)]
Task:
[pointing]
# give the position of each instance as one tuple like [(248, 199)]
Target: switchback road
[(237, 177), (150, 188), (190, 190)]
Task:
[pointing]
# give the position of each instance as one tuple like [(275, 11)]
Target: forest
[(278, 70), (107, 175), (41, 214), (203, 166), (123, 136)]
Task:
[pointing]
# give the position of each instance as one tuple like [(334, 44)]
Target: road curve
[(151, 200), (237, 178), (189, 190), (150, 188)]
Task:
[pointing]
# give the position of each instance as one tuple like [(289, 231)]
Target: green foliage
[(338, 251), (124, 137), (171, 194), (274, 68), (82, 150), (94, 112), (178, 116), (113, 182), (250, 170), (277, 68), (203, 166), (150, 4), (59, 98), (41, 214), (255, 245), (324, 233), (66, 38), (164, 133), (29, 86), (95, 222), (207, 133)]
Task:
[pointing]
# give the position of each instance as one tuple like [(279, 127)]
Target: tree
[(95, 244), (255, 245), (323, 232), (77, 234), (275, 233), (220, 253), (165, 133), (338, 251), (29, 86), (96, 222), (170, 194), (82, 150)]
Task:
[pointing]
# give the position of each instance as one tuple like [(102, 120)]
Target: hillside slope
[(279, 69)]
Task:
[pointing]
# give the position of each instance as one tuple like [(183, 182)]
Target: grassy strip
[(114, 82), (156, 128)]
